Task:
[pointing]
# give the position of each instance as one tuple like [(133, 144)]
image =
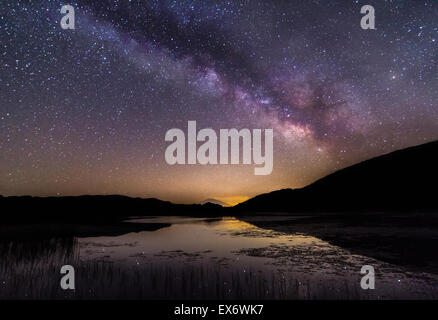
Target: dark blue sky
[(86, 110)]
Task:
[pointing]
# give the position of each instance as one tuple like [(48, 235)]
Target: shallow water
[(196, 258), (238, 246)]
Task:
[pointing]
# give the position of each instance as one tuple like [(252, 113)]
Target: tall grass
[(103, 280), (35, 274), (31, 270)]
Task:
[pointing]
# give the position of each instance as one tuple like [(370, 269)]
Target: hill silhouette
[(402, 181), (93, 209)]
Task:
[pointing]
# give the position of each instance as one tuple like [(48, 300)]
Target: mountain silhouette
[(401, 181), (404, 180), (93, 209), (214, 201)]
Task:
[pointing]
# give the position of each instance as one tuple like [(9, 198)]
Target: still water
[(193, 258), (233, 248)]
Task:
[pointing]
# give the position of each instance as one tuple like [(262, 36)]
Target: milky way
[(85, 111)]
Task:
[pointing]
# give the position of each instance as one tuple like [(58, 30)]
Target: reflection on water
[(186, 239), (221, 258)]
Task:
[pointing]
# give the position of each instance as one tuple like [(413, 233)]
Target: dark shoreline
[(408, 240), (37, 251)]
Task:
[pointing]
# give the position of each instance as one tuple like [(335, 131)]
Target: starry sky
[(85, 111)]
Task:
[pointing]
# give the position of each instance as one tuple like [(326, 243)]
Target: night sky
[(85, 111)]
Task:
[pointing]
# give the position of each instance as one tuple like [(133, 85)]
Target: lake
[(201, 258)]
